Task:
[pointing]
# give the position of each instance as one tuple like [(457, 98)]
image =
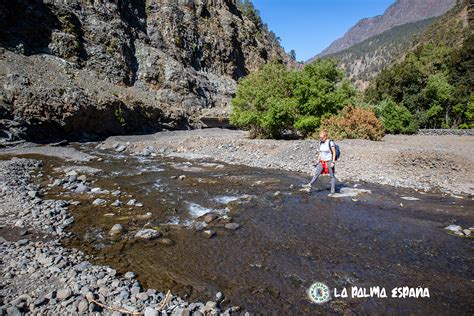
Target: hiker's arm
[(333, 150)]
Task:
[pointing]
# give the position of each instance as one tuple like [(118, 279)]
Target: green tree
[(438, 93), (396, 119)]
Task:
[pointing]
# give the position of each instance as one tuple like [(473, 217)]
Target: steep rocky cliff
[(85, 69), (400, 12)]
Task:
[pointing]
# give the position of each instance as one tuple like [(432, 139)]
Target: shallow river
[(287, 240)]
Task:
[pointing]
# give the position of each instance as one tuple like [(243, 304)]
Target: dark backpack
[(338, 150)]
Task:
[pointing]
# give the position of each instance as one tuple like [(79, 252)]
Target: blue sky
[(309, 26)]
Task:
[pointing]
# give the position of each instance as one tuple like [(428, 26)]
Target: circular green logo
[(319, 293)]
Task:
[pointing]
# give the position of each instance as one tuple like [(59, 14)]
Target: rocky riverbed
[(96, 227), (40, 276), (425, 162)]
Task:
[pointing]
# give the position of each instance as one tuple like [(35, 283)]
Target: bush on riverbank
[(353, 122), (275, 100)]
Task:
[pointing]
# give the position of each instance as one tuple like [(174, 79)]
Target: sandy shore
[(424, 162)]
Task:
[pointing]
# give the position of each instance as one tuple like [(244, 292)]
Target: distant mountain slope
[(366, 59), (434, 79), (399, 13)]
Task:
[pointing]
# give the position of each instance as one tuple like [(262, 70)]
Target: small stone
[(209, 217), (131, 202), (453, 228), (14, 311), (129, 275), (232, 226), (83, 306), (150, 311), (277, 193), (466, 232), (147, 234), (209, 233), (116, 203), (63, 294), (165, 241), (218, 296), (57, 182), (117, 229), (142, 296), (99, 202), (96, 190), (82, 178), (182, 177), (81, 188), (135, 290), (120, 148), (33, 194)]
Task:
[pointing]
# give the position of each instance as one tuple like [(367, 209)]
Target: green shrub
[(396, 119), (307, 124)]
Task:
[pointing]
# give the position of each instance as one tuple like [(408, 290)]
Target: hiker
[(326, 161)]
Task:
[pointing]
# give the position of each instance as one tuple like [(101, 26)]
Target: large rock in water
[(82, 69)]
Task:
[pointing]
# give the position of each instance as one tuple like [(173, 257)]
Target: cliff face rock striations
[(85, 69)]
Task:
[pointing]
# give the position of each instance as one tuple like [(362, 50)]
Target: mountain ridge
[(399, 13)]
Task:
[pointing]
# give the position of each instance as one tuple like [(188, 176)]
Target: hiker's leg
[(317, 172), (333, 177)]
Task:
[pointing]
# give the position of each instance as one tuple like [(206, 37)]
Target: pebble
[(150, 311), (209, 233), (232, 226), (165, 241), (209, 217), (129, 275), (117, 229), (99, 202), (147, 234), (63, 294), (81, 188)]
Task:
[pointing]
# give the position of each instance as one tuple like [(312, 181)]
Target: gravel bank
[(425, 162), (39, 276)]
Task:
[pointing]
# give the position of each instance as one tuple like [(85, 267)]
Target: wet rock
[(232, 226), (410, 198), (209, 217), (120, 148), (166, 241), (99, 202), (147, 234), (209, 233), (116, 230), (453, 228)]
